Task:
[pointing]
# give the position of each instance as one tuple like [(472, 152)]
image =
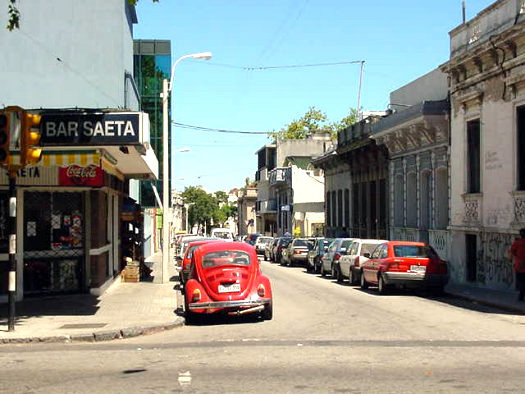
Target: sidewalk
[(507, 301), (125, 310)]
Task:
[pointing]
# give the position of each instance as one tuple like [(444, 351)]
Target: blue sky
[(398, 40)]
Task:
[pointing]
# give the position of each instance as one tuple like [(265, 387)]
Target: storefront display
[(53, 241)]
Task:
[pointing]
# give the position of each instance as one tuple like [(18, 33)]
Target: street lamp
[(166, 89)]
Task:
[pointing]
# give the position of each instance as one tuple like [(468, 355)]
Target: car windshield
[(222, 234), (264, 240), (417, 251), (225, 257), (300, 242), (285, 241), (367, 248)]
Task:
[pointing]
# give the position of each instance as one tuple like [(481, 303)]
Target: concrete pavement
[(132, 309), (124, 310), (505, 300)]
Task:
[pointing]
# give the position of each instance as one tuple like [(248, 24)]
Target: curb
[(503, 307), (99, 336)]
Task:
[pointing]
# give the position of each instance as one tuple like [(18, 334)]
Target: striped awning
[(65, 159), (60, 159)]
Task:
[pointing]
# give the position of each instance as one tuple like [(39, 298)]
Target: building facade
[(290, 189), (487, 92), (356, 184), (417, 138), (72, 222), (246, 213)]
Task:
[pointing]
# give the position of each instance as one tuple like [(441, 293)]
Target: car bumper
[(219, 305), (415, 279)]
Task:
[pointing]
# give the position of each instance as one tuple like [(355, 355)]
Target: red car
[(185, 263), (226, 278), (406, 264)]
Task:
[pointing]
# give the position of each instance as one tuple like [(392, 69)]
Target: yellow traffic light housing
[(5, 134), (30, 153)]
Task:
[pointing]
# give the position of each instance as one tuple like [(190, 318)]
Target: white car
[(261, 242), (359, 252), (224, 234)]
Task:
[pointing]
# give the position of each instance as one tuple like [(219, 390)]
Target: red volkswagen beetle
[(226, 278), (403, 263)]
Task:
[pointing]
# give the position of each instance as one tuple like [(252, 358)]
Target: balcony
[(268, 206), (250, 192), (280, 175)]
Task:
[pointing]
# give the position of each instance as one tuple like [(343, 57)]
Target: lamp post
[(166, 89)]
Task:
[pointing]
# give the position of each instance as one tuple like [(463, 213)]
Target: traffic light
[(5, 131), (30, 153)]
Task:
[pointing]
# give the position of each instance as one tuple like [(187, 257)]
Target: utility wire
[(303, 65), (261, 68), (200, 128)]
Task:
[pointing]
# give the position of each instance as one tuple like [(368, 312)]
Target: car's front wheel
[(364, 284), (267, 313)]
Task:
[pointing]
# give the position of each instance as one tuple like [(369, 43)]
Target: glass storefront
[(54, 238)]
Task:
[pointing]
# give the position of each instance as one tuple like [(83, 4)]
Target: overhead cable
[(261, 68), (201, 128)]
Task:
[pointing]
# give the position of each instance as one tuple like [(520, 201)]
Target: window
[(473, 156), (328, 212), (345, 245), (347, 208), (521, 147), (377, 251), (367, 248), (340, 208), (334, 206), (226, 257), (384, 252), (353, 249), (413, 251)]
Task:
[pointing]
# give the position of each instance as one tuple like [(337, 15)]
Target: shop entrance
[(54, 242)]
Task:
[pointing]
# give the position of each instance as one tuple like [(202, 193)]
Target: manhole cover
[(94, 325)]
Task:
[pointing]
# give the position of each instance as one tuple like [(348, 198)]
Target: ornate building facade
[(487, 91)]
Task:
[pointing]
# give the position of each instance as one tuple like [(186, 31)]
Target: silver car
[(336, 249)]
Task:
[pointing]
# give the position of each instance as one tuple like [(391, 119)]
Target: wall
[(66, 54), (429, 87), (307, 147)]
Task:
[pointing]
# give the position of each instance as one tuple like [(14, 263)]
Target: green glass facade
[(152, 63)]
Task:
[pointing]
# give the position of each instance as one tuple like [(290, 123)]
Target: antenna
[(463, 9)]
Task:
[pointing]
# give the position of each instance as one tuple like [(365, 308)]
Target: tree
[(221, 196), (314, 121), (203, 208), (14, 14)]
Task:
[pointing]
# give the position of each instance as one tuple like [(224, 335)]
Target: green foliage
[(313, 121), (206, 207), (14, 16), (221, 196)]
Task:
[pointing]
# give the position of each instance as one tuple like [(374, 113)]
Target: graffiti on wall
[(493, 265), (500, 215)]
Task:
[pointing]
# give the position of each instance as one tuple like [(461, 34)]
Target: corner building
[(72, 59), (486, 75)]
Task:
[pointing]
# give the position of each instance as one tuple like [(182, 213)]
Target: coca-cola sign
[(74, 175)]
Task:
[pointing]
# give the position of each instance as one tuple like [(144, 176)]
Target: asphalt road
[(325, 337)]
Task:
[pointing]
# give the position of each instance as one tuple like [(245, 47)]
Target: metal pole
[(186, 207), (12, 250), (359, 114), (165, 181)]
